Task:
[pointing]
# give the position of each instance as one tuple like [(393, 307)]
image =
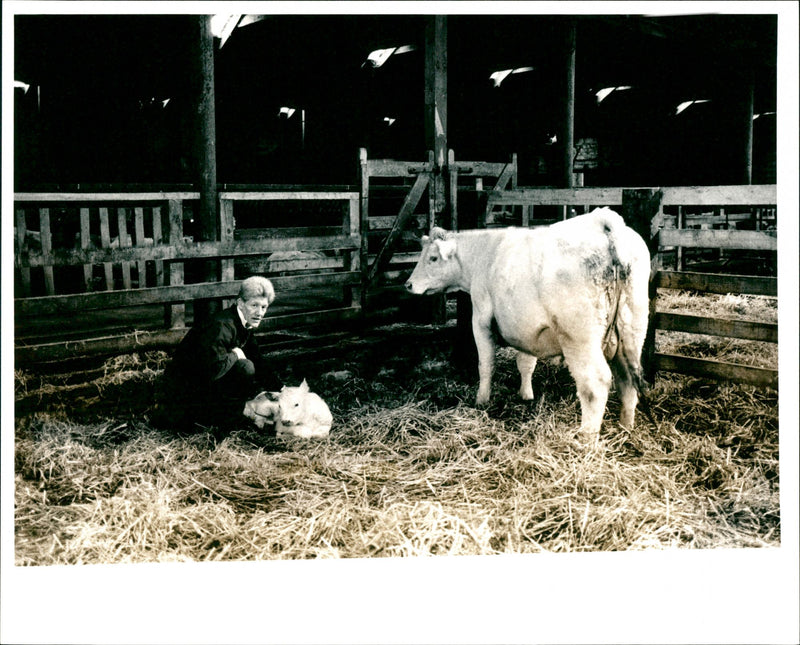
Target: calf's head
[(292, 403), (438, 268)]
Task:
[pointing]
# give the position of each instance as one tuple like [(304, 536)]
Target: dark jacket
[(200, 383)]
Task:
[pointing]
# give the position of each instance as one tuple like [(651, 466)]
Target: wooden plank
[(557, 196), (364, 221), (22, 249), (105, 197), (47, 305), (157, 239), (105, 243), (702, 367), (755, 195), (47, 247), (287, 195), (719, 239), (383, 223), (767, 332), (479, 168), (286, 232), (452, 171), (124, 242), (227, 225), (86, 241), (181, 251), (393, 168), (175, 315), (265, 265), (352, 258), (410, 203), (141, 265), (717, 283)]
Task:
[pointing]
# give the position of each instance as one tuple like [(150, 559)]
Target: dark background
[(94, 112)]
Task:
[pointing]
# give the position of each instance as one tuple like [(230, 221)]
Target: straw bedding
[(411, 469)]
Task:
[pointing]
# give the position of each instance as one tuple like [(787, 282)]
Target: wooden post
[(642, 211), (436, 101), (208, 230), (364, 224), (22, 248), (175, 314), (86, 241), (747, 126), (567, 138)]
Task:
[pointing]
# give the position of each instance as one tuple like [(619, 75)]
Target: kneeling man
[(218, 366)]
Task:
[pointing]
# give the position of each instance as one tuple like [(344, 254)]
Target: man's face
[(253, 310)]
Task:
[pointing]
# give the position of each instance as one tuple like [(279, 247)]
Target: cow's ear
[(304, 386), (438, 233), (425, 240), (447, 248)]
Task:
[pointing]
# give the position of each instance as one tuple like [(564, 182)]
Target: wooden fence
[(132, 251), (645, 210), (139, 257)]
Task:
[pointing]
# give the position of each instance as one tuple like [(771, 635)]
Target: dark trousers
[(185, 404)]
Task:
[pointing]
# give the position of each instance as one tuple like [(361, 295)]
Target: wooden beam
[(706, 368), (719, 239), (410, 203), (717, 283), (766, 332), (755, 195), (567, 135), (436, 101)]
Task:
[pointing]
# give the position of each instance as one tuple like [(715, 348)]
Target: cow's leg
[(593, 380), (525, 364), (627, 391), (481, 330)]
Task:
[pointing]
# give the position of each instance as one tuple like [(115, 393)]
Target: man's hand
[(239, 353)]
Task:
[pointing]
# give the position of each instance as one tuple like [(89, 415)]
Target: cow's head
[(438, 268)]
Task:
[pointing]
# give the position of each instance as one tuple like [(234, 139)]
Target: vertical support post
[(452, 173), (105, 242), (679, 263), (436, 101), (124, 242), (86, 241), (642, 211), (567, 137), (138, 227), (364, 224), (747, 126), (22, 248), (352, 258), (227, 226), (47, 247), (175, 314), (157, 237), (208, 230)]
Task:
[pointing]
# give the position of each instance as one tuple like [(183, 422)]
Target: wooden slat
[(757, 376), (383, 223), (141, 265), (47, 247), (479, 168), (227, 224), (754, 195), (68, 257), (22, 249), (410, 203), (105, 197), (393, 168), (86, 241), (170, 294), (767, 332), (175, 315), (287, 195), (157, 238), (265, 265), (719, 239), (124, 242), (286, 232), (105, 242), (557, 196), (717, 283)]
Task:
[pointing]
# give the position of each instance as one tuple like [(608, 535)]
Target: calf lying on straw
[(295, 411)]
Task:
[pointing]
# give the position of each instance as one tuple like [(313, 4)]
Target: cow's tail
[(632, 271)]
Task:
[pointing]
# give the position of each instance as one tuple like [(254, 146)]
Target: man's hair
[(256, 286)]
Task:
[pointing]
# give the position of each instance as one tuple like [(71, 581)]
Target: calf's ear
[(304, 386)]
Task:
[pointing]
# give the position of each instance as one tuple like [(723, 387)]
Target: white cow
[(578, 288)]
